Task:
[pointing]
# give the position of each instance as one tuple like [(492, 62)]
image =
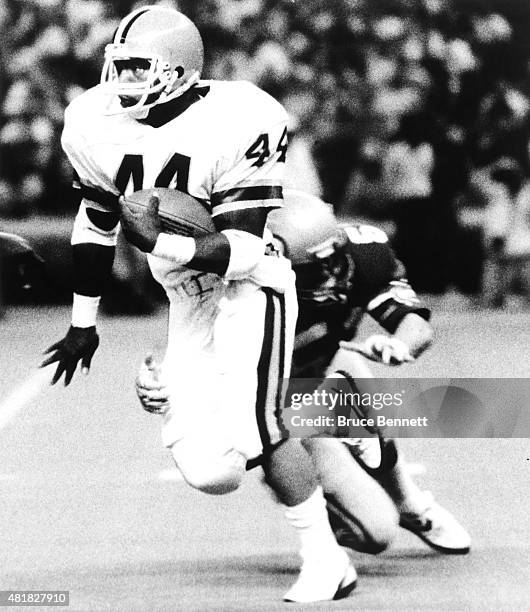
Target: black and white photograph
[(265, 305)]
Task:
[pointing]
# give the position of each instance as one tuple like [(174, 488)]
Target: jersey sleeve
[(97, 220), (380, 285), (394, 303), (251, 174), (94, 187)]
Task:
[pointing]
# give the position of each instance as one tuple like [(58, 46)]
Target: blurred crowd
[(414, 113)]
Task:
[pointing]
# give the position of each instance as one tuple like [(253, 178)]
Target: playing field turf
[(89, 501)]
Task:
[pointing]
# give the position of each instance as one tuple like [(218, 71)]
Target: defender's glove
[(151, 391), (381, 348), (79, 344)]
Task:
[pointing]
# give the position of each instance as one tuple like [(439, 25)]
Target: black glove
[(79, 344)]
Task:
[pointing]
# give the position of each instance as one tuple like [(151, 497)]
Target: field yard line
[(33, 386)]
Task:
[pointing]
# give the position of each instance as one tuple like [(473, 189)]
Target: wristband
[(84, 310), (179, 249), (246, 250)]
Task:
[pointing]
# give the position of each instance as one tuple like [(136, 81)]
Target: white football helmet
[(172, 48), (307, 233)]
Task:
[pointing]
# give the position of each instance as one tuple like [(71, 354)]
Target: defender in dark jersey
[(344, 271), (366, 278)]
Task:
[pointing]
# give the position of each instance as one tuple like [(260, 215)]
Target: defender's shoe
[(376, 455), (437, 527), (324, 579), (366, 450)]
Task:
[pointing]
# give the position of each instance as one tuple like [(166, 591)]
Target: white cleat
[(324, 579), (437, 527)]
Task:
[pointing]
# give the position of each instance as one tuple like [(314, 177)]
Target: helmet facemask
[(160, 85), (327, 278)]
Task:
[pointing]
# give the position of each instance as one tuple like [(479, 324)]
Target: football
[(180, 213)]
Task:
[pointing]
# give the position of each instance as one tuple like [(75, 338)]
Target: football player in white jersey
[(152, 123), (342, 273)]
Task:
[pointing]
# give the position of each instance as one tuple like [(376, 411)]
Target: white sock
[(310, 520)]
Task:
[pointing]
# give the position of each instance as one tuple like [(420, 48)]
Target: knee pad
[(215, 471)]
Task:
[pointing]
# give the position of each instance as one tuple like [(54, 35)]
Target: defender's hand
[(381, 348), (141, 228), (79, 344), (151, 391)]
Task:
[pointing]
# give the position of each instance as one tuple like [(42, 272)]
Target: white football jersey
[(223, 149), (228, 149)]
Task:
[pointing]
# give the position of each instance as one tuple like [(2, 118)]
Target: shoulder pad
[(83, 112), (250, 103), (365, 234)]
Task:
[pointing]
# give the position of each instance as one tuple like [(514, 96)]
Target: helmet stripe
[(127, 27)]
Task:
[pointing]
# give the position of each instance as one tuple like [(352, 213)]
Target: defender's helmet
[(170, 46), (308, 233)]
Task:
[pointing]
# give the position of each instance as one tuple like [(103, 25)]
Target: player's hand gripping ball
[(147, 213), (143, 227)]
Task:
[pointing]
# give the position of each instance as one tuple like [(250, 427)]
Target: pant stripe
[(271, 369), (263, 365), (281, 366)]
